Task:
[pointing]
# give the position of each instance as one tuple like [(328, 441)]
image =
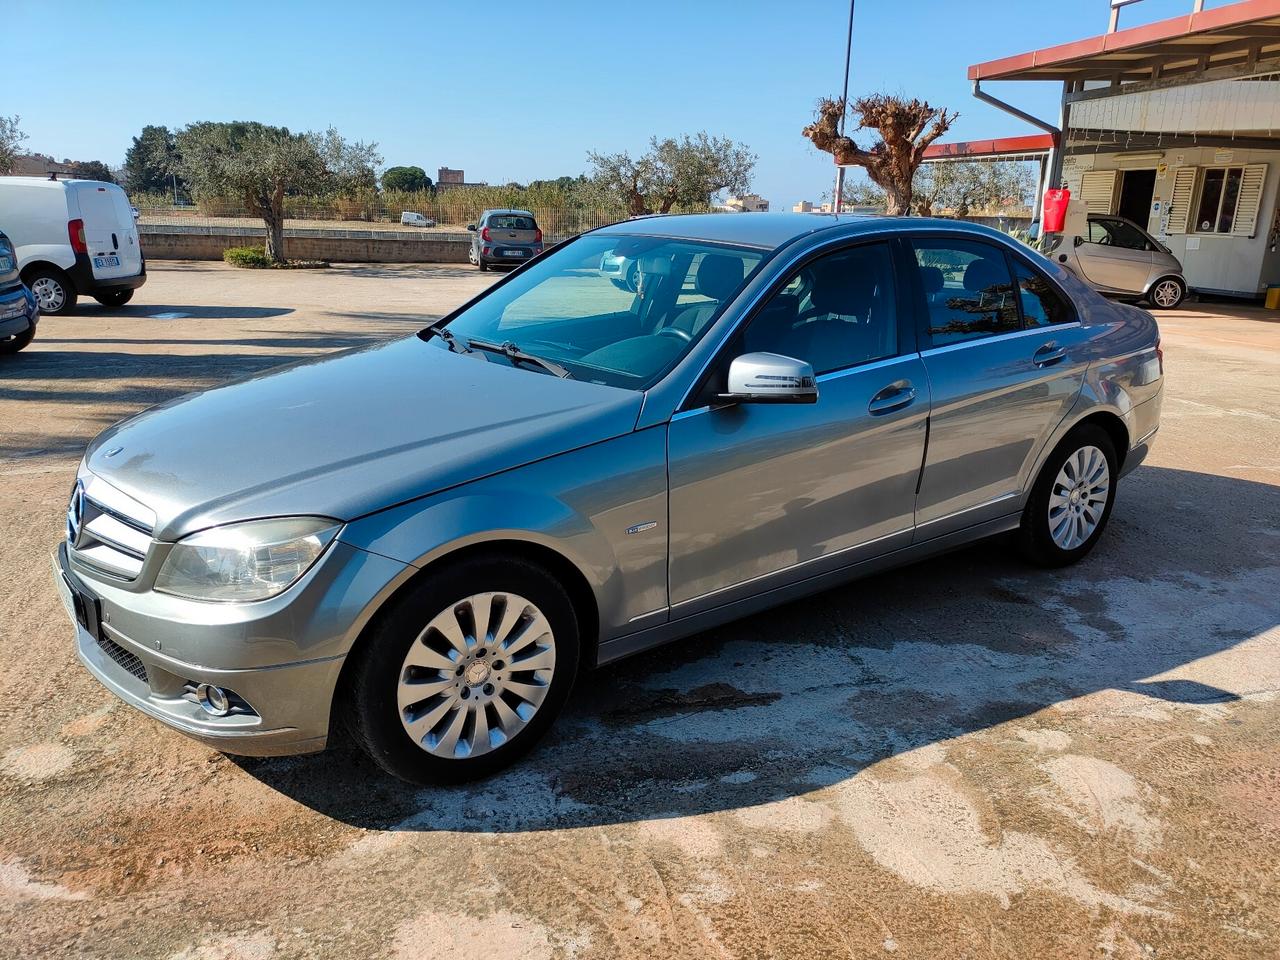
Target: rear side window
[(968, 290), (1042, 304), (505, 222)]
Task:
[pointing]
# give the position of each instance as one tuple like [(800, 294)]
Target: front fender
[(579, 504)]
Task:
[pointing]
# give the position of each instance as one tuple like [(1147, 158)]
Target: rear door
[(1116, 255), (515, 229), (1005, 363), (109, 230)]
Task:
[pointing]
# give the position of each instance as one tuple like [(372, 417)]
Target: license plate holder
[(513, 253), (101, 262), (84, 606)]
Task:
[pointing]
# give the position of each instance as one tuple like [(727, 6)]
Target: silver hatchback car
[(1118, 257), (427, 540)]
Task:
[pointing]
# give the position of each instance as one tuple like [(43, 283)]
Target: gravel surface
[(964, 758)]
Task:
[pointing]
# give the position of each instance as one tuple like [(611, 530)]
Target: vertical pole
[(837, 201)]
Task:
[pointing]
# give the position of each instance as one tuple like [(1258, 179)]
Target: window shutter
[(1184, 188), (1250, 201), (1098, 190)]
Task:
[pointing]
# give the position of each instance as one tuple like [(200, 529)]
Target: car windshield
[(622, 324)]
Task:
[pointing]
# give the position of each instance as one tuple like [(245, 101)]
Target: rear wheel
[(16, 342), (1167, 293), (114, 298), (53, 291), (465, 672), (1071, 500)]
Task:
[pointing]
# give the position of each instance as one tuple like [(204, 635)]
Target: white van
[(411, 219), (73, 238)]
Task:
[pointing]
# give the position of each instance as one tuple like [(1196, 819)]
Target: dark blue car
[(18, 311)]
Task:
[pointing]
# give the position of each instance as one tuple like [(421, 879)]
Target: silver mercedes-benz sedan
[(424, 542)]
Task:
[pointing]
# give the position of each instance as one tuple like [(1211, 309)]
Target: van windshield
[(617, 310)]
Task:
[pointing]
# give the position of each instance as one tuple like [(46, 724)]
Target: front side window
[(1219, 195), (968, 290), (567, 308), (835, 312), (1118, 233)]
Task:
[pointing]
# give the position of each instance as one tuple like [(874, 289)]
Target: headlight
[(245, 561)]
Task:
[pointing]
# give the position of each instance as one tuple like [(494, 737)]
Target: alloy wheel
[(476, 675), (1079, 497), (49, 294), (1167, 293)]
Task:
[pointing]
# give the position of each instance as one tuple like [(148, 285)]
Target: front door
[(1005, 363), (1115, 256), (763, 494)]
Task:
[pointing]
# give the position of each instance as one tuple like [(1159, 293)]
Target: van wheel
[(53, 291), (465, 672), (17, 341), (1071, 500), (1167, 293), (116, 298)]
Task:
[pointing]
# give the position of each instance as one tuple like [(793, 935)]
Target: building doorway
[(1137, 187)]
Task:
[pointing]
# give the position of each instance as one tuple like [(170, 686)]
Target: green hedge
[(246, 256)]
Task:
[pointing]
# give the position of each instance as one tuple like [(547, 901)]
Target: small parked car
[(427, 540), (1119, 258), (504, 236), (622, 271), (410, 219), (73, 238), (19, 313)]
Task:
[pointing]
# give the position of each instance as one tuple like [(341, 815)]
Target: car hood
[(348, 434)]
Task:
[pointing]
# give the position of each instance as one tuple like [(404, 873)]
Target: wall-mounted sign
[(1222, 156), (1161, 169)]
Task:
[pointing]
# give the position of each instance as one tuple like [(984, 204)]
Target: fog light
[(213, 700)]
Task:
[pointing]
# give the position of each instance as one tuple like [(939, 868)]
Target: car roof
[(501, 211), (770, 231)]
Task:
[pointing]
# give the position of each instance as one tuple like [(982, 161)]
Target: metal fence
[(446, 220)]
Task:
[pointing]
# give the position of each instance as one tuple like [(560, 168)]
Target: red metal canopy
[(1237, 34), (1003, 147)]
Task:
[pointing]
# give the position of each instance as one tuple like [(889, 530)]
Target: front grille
[(108, 530), (123, 657)]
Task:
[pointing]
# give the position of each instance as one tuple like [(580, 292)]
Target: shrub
[(255, 257)]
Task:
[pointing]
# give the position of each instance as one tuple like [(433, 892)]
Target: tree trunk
[(275, 235), (897, 199)]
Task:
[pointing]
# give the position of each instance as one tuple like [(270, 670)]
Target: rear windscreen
[(513, 223)]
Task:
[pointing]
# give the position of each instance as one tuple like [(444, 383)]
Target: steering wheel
[(676, 332)]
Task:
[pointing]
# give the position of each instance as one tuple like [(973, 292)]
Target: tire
[(406, 655), (54, 292), (1079, 517), (115, 298), (1167, 293), (15, 343), (482, 265)]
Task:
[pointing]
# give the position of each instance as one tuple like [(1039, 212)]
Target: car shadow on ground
[(807, 695), (177, 311)]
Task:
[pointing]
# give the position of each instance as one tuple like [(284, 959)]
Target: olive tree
[(904, 130), (687, 170), (252, 161), (10, 138)]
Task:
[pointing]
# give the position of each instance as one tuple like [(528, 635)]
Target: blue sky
[(513, 91)]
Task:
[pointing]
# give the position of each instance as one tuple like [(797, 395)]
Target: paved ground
[(967, 758)]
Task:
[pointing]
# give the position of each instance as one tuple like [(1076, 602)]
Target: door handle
[(893, 397), (1048, 354)]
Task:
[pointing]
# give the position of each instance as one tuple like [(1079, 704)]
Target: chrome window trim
[(998, 338), (867, 365)]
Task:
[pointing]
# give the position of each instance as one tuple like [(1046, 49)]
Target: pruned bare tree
[(905, 129)]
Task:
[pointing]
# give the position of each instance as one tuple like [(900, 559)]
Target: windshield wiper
[(438, 329), (516, 355)]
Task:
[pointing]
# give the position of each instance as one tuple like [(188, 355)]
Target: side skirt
[(677, 629)]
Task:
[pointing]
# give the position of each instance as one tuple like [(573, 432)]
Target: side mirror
[(471, 227), (769, 378), (1078, 240)]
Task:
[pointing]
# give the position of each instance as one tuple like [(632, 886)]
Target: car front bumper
[(18, 311), (282, 708)]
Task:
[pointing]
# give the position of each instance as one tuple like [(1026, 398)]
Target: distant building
[(447, 177), (748, 203), (805, 206)]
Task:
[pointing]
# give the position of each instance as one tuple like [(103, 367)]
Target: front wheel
[(1167, 293), (54, 293), (1071, 501), (465, 672), (114, 298)]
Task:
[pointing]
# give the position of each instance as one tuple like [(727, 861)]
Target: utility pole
[(837, 201)]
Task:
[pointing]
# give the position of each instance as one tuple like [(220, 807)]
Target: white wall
[(1211, 262)]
